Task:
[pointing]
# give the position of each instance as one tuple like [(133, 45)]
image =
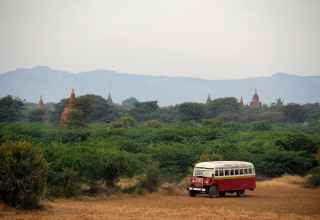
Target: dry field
[(282, 198)]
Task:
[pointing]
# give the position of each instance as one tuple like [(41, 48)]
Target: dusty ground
[(271, 200)]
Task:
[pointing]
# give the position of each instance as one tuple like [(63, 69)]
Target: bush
[(151, 182), (260, 126), (210, 157), (152, 124), (64, 183), (23, 174), (125, 121), (297, 142), (278, 163), (314, 179)]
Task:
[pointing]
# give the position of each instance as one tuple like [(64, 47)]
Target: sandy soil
[(271, 200)]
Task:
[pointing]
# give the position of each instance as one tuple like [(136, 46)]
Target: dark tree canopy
[(294, 113), (11, 109)]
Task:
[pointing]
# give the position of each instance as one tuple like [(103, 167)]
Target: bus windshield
[(202, 172)]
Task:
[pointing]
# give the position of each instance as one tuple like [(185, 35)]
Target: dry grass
[(282, 198), (286, 180)]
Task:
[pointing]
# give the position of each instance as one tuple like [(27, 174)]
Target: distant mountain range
[(54, 85)]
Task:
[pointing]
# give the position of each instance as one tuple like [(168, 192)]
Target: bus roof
[(223, 164)]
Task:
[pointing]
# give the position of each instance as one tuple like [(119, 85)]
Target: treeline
[(92, 108)]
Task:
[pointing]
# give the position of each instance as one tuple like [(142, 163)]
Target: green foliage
[(222, 105), (143, 110), (125, 121), (294, 113), (278, 163), (95, 108), (260, 126), (76, 119), (152, 124), (210, 157), (63, 183), (36, 115), (23, 174), (297, 142), (151, 181), (130, 103), (11, 109), (191, 111)]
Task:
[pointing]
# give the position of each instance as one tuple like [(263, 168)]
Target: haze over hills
[(54, 85)]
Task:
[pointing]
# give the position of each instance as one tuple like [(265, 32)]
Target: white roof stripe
[(223, 164)]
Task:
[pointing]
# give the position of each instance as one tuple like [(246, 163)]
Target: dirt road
[(271, 200)]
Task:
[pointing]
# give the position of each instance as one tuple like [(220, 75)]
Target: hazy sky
[(213, 39)]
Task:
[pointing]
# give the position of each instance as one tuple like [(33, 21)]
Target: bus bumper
[(196, 189)]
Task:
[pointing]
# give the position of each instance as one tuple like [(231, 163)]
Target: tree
[(191, 111), (125, 121), (23, 174), (278, 104), (143, 110), (294, 113), (10, 109), (222, 105), (297, 142), (36, 115), (130, 103)]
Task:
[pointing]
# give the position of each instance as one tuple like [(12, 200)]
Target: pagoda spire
[(255, 102), (209, 98), (241, 101), (41, 104), (109, 99)]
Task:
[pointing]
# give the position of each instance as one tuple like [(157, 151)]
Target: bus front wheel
[(213, 191)]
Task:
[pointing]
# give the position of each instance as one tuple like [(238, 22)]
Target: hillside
[(54, 85)]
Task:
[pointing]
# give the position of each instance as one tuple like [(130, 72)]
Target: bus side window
[(232, 172), (226, 172), (221, 172), (241, 171), (250, 171), (216, 173), (245, 171), (236, 172)]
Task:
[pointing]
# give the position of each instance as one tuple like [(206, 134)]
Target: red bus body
[(225, 185), (235, 176)]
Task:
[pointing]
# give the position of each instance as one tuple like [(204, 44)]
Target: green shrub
[(23, 174), (278, 163), (64, 183), (314, 179), (125, 121), (210, 157), (297, 142), (152, 124), (151, 181), (260, 126)]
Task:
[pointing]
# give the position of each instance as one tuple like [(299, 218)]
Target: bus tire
[(213, 191), (192, 193), (222, 194), (240, 193)]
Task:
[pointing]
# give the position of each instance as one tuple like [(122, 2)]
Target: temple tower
[(209, 98), (241, 102), (41, 104), (69, 107), (109, 99), (255, 102)]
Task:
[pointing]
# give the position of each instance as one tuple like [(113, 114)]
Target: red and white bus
[(216, 178)]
